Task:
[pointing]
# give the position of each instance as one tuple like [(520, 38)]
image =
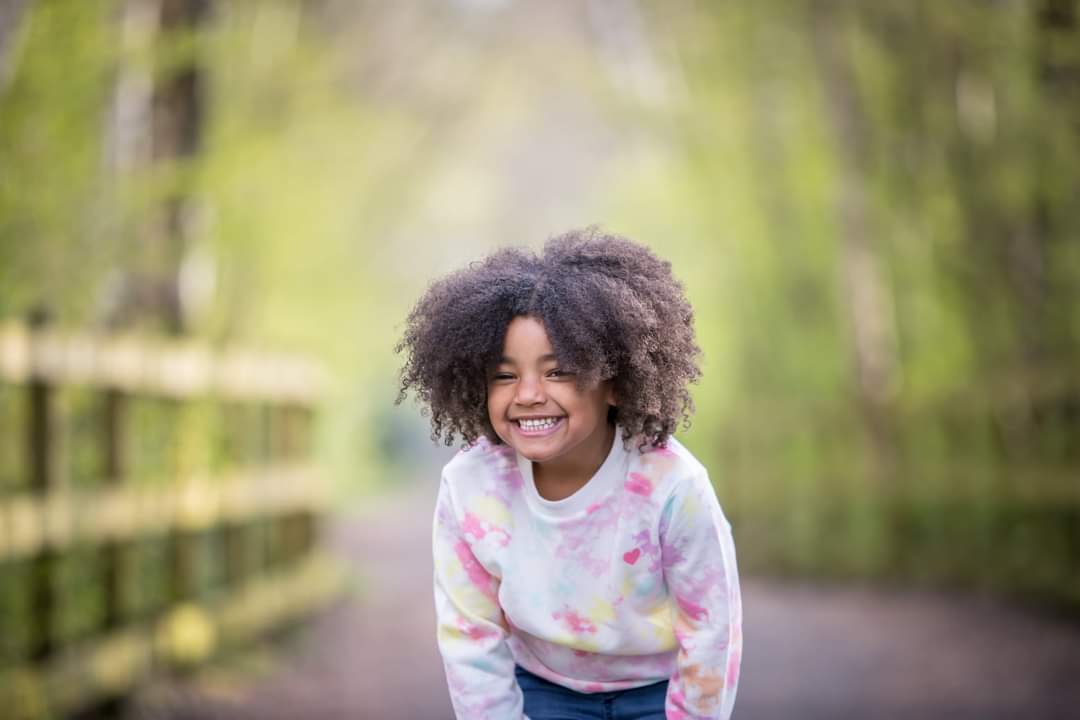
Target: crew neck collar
[(603, 481)]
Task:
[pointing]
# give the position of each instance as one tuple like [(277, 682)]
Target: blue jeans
[(547, 701)]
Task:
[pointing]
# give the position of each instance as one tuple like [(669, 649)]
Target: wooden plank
[(187, 633), (169, 368), (22, 529), (15, 353), (30, 523)]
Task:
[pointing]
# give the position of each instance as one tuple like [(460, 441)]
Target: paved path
[(811, 652), (847, 653)]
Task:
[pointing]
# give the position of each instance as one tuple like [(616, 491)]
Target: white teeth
[(538, 423)]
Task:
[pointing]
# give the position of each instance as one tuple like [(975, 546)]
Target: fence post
[(116, 552), (83, 658), (40, 414)]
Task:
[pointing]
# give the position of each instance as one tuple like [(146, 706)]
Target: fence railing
[(158, 503)]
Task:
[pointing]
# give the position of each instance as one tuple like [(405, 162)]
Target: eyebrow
[(504, 360)]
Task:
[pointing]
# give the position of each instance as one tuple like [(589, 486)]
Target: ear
[(609, 397)]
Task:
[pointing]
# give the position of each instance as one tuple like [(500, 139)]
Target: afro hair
[(611, 308)]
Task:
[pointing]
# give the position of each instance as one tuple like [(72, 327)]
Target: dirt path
[(811, 652)]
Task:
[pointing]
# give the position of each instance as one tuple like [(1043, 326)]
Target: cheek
[(496, 419), (496, 406), (590, 408), (602, 399)]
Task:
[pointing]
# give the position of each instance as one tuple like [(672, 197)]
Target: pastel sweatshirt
[(629, 581)]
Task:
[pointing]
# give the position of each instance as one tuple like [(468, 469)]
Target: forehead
[(526, 339)]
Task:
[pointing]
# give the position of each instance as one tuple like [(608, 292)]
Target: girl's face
[(537, 408)]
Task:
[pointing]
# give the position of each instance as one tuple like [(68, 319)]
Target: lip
[(536, 433)]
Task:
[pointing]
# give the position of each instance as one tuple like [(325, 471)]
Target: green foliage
[(145, 576), (16, 605), (274, 214), (12, 426), (873, 206), (79, 430), (926, 152), (79, 593), (51, 142)]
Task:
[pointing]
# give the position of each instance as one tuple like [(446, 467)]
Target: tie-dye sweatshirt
[(629, 581)]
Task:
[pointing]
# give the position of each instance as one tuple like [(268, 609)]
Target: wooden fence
[(158, 504)]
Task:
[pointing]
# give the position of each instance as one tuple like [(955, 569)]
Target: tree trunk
[(867, 292), (11, 16)]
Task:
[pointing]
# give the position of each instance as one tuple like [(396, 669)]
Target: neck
[(564, 476)]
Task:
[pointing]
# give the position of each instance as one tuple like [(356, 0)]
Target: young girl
[(583, 567)]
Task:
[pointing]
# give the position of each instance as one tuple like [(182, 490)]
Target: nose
[(530, 391)]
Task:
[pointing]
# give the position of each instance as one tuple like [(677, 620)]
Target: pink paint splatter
[(478, 576), (578, 543), (639, 484), (505, 460), (672, 555), (475, 632), (676, 701), (733, 667), (512, 477), (574, 622), (663, 451), (471, 525), (651, 549), (696, 612)]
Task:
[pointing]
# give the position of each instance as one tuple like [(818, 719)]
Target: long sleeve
[(472, 629), (699, 568)]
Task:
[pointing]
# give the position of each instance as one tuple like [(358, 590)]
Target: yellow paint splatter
[(691, 507), (601, 612), (660, 620), (490, 509)]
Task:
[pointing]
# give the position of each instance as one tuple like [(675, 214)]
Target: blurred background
[(215, 215)]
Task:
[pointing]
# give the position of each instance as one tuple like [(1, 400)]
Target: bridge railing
[(158, 503)]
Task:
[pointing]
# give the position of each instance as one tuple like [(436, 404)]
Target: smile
[(538, 426)]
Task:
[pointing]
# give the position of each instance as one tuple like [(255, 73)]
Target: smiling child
[(583, 566)]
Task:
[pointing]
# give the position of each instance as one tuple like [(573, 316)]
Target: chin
[(533, 456)]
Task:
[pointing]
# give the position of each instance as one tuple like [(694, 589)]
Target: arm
[(471, 630), (700, 571)]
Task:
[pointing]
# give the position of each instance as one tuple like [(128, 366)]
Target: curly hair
[(611, 309)]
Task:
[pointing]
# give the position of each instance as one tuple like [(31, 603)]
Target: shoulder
[(680, 483), (669, 468), (483, 456), (691, 501), (685, 461), (480, 468)]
